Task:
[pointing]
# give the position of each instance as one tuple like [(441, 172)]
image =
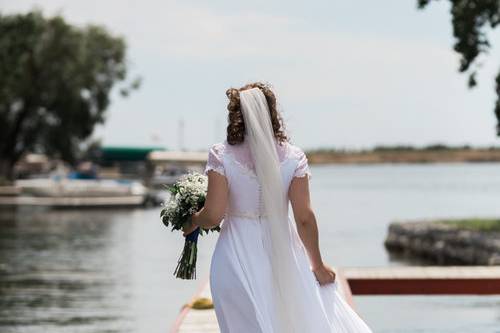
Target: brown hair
[(236, 125)]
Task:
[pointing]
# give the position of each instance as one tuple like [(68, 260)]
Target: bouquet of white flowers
[(187, 196)]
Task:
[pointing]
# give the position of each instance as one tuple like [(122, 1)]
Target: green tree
[(472, 20), (55, 84)]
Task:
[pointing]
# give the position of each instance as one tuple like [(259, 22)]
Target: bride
[(266, 274)]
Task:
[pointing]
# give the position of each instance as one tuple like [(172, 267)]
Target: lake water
[(111, 270)]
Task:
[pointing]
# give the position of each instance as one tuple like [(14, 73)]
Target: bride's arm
[(215, 203), (308, 228)]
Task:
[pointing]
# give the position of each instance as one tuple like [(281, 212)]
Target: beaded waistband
[(249, 215)]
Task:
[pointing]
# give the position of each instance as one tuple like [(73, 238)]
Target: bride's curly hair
[(236, 125)]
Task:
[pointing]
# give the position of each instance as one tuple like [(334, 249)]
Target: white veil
[(290, 294)]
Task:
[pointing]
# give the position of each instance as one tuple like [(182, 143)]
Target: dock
[(429, 280), (197, 321)]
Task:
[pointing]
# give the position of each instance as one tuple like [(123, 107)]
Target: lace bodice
[(236, 164)]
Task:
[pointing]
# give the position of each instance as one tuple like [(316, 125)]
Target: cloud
[(343, 75)]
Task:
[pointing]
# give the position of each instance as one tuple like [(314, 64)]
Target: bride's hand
[(324, 274), (188, 228)]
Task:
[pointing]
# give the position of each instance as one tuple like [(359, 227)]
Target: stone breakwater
[(443, 243)]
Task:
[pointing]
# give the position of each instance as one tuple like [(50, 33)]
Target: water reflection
[(62, 269), (91, 271)]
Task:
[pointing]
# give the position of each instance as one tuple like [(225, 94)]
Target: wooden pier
[(431, 280), (196, 321)]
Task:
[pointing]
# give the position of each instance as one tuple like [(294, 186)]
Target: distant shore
[(445, 242), (431, 154)]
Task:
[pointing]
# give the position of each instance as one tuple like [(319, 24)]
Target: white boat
[(66, 187), (67, 193)]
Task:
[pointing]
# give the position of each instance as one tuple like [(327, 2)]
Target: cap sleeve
[(214, 161), (302, 168)]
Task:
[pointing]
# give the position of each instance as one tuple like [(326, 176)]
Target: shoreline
[(420, 156)]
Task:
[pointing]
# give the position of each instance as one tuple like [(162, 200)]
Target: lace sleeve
[(302, 168), (214, 161)]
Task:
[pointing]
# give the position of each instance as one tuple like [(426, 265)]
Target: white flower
[(192, 189)]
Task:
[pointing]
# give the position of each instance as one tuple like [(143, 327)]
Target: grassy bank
[(475, 224)]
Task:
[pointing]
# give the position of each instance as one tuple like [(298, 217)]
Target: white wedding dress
[(240, 274)]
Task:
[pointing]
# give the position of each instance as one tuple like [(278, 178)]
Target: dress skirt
[(241, 283)]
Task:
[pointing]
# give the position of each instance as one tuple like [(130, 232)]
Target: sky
[(348, 74)]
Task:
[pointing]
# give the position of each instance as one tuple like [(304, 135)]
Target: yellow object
[(201, 303)]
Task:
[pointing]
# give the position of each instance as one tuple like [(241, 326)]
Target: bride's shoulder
[(218, 148), (302, 164), (293, 151)]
